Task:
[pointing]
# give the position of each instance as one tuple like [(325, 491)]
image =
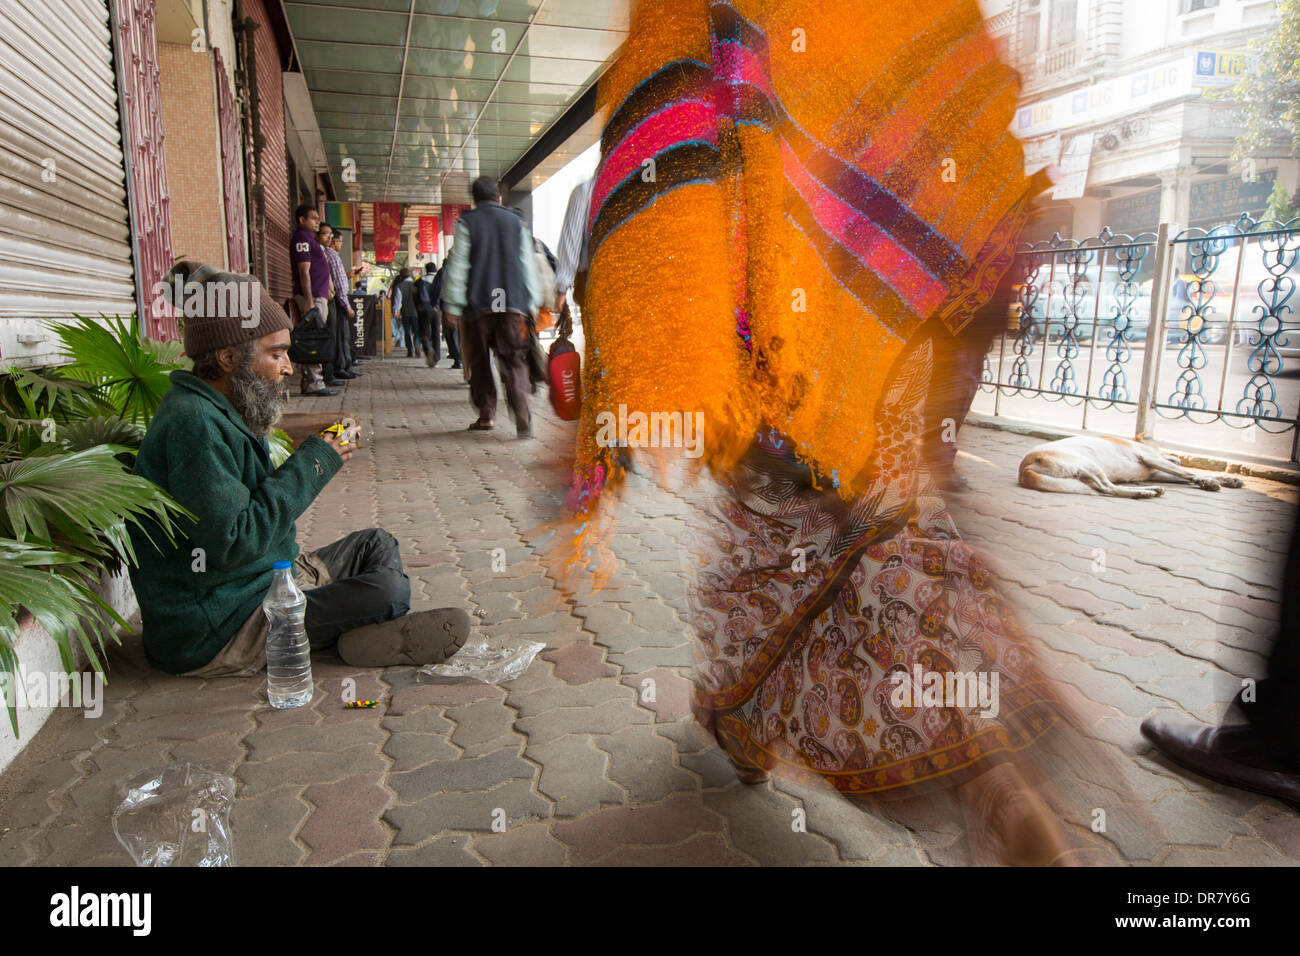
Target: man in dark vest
[(404, 306), (430, 326), (491, 281)]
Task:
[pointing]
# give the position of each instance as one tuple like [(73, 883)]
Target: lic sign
[(1218, 67)]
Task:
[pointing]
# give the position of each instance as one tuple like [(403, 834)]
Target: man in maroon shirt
[(311, 284)]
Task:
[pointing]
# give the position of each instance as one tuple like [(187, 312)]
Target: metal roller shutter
[(65, 240)]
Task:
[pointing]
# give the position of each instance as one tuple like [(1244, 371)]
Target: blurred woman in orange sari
[(797, 204)]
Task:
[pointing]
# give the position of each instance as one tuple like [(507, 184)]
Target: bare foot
[(1021, 826)]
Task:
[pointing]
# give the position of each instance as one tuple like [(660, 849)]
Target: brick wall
[(273, 175), (193, 154)]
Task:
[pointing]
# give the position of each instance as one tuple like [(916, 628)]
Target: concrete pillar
[(1176, 208), (1088, 215), (1176, 197)]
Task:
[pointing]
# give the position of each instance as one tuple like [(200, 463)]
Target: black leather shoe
[(1231, 755), (333, 382), (347, 375), (321, 391)]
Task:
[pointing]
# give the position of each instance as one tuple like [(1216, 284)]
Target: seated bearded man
[(200, 600)]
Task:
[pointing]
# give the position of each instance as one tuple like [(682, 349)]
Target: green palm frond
[(281, 446), (81, 501), (168, 353), (52, 587), (129, 374), (118, 433), (23, 436), (42, 394), (76, 406)]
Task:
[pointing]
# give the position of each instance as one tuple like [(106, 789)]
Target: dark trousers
[(332, 323), (431, 332), (411, 330), (342, 337), (1274, 714), (452, 335), (368, 586), (506, 335)]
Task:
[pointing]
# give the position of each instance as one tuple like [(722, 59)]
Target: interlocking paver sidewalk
[(590, 757)]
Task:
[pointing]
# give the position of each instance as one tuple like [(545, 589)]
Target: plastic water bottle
[(288, 653)]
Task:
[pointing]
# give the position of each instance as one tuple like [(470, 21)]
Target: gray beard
[(259, 402)]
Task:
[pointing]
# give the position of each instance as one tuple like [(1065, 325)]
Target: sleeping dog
[(1100, 463)]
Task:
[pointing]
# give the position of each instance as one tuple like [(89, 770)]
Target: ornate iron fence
[(1099, 323)]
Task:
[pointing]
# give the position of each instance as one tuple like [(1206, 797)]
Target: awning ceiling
[(425, 95)]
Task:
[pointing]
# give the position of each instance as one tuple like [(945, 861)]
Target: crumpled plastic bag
[(177, 815), (503, 661)]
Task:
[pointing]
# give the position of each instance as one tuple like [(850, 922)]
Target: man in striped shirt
[(341, 308), (571, 267)]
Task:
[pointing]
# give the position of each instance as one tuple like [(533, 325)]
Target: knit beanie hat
[(219, 310)]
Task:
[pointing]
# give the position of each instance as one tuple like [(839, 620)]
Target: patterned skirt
[(862, 642)]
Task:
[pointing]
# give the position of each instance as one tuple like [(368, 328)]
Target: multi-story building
[(1117, 94)]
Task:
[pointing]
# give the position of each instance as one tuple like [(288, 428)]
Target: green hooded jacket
[(194, 597)]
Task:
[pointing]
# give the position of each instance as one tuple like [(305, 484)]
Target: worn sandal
[(480, 427)]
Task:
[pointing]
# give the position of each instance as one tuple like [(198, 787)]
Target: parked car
[(1180, 319)]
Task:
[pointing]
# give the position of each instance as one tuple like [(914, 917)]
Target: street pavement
[(1139, 606)]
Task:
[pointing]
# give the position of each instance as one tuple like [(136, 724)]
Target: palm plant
[(63, 521), (67, 497), (55, 588), (127, 373)]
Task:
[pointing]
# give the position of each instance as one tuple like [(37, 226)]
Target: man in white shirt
[(571, 268)]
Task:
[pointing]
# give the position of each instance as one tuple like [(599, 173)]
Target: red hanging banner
[(450, 213), (388, 230), (428, 235)]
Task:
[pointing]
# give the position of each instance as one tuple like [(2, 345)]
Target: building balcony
[(1060, 60)]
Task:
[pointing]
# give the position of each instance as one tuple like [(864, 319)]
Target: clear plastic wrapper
[(177, 815), (503, 660)]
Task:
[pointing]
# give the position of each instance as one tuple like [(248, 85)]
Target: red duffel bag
[(564, 371)]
